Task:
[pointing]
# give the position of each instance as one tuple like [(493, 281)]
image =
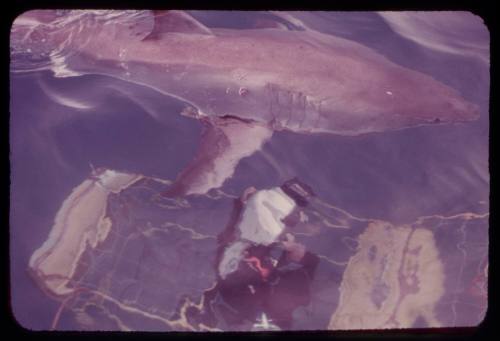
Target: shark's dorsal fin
[(175, 21)]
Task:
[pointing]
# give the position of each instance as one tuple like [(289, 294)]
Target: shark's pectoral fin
[(224, 142), (175, 21)]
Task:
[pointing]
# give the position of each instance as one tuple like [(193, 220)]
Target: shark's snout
[(465, 111), (455, 111)]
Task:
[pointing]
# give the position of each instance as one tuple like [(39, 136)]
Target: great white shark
[(245, 84)]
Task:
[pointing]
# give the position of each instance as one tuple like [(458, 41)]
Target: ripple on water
[(46, 39)]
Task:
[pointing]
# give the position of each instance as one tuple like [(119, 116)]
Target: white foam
[(60, 68)]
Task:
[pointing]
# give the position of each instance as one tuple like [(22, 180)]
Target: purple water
[(128, 215)]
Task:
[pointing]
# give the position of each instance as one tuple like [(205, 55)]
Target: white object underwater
[(261, 223)]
